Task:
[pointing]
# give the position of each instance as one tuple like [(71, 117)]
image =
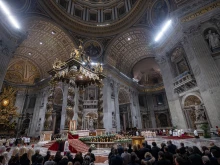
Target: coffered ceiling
[(129, 48), (45, 42)]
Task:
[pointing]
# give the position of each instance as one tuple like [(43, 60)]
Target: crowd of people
[(166, 154), (27, 156)]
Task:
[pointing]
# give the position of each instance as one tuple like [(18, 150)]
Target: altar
[(137, 140)]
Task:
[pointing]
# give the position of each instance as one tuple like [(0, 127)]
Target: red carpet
[(75, 145), (177, 138)]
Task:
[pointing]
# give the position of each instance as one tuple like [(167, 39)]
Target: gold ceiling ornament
[(7, 109), (5, 102), (58, 64), (79, 68)]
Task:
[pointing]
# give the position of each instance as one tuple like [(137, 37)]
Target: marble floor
[(102, 154)]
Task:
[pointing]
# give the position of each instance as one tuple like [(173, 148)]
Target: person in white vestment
[(179, 133), (171, 132), (196, 134), (66, 147), (182, 132)]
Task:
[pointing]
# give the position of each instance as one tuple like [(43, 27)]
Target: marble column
[(64, 105), (150, 105), (107, 108), (172, 98), (118, 123), (206, 72), (35, 118)]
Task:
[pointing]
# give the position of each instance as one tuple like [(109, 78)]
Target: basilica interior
[(109, 64)]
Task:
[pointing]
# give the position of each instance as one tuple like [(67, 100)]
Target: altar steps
[(47, 145), (75, 145)]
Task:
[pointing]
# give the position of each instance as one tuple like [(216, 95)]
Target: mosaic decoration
[(159, 12), (93, 49)]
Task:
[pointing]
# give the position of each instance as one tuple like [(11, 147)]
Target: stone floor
[(102, 154)]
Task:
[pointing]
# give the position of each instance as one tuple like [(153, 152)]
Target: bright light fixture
[(29, 53), (41, 43), (53, 32), (129, 38), (93, 63), (164, 29), (7, 12), (83, 63)]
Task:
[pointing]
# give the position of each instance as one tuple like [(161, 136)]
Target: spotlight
[(41, 43), (53, 32), (7, 12), (83, 63), (29, 53), (129, 38), (164, 29)]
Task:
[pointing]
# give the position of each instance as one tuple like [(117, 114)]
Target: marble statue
[(200, 113), (91, 124), (213, 39)]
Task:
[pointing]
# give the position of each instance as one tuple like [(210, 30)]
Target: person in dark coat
[(69, 156), (40, 160), (130, 149), (147, 146), (212, 159), (195, 158), (78, 158), (168, 155), (46, 158), (120, 149), (206, 161), (35, 156), (133, 160), (64, 161), (116, 159), (143, 150), (162, 160), (171, 147), (214, 147), (24, 159), (155, 150), (91, 155), (57, 157), (182, 148)]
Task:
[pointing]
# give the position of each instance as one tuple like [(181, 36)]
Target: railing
[(184, 82), (90, 102)]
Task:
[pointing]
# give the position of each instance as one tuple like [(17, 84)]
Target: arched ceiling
[(129, 48), (22, 71), (45, 42), (147, 72)]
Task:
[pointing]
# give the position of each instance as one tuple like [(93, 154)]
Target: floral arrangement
[(60, 140), (98, 138), (123, 140), (73, 132), (92, 146)]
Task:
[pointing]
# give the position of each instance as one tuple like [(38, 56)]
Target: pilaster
[(172, 98), (206, 72)]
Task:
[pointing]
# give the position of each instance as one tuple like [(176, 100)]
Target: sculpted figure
[(213, 39)]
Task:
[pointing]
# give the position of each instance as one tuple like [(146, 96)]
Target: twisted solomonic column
[(70, 103), (100, 107), (80, 110), (48, 123)]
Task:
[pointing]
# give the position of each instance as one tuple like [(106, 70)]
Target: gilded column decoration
[(48, 123), (100, 106), (80, 109), (70, 102)]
